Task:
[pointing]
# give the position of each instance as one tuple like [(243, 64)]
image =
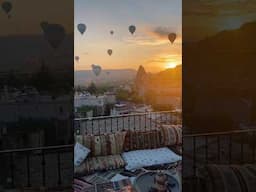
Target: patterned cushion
[(100, 145), (101, 163), (233, 178), (135, 140), (171, 134)]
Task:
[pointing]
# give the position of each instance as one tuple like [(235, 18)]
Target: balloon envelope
[(172, 37), (110, 51), (81, 28), (111, 32), (44, 25), (77, 58), (54, 33), (96, 69), (132, 29), (6, 6)]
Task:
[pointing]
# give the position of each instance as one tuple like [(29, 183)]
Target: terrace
[(235, 147), (52, 166), (142, 131)]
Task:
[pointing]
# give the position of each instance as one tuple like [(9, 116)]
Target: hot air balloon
[(111, 32), (44, 25), (132, 29), (7, 7), (81, 28), (110, 52), (77, 58), (96, 69), (172, 37), (53, 33)]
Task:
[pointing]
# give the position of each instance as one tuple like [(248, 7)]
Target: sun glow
[(170, 65)]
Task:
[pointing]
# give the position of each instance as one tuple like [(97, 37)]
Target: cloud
[(162, 31), (153, 37), (165, 57), (146, 40), (202, 18), (213, 8)]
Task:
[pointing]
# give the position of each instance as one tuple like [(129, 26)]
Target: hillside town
[(146, 93)]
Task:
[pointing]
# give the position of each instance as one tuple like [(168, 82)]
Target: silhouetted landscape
[(219, 80), (15, 57)]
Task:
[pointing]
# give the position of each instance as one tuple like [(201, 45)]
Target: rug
[(80, 185), (117, 186)]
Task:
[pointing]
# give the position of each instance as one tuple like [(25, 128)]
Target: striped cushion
[(171, 134), (100, 145), (101, 163), (232, 178), (135, 140)]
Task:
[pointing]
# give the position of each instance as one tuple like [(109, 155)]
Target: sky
[(148, 46), (33, 12), (202, 18)]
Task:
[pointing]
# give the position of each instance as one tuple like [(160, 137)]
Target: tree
[(162, 107), (150, 97), (92, 88), (78, 88), (136, 98), (122, 95), (43, 80)]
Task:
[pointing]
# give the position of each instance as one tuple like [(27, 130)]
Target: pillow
[(135, 140), (149, 157), (107, 144), (80, 154), (228, 177), (171, 134), (101, 163)]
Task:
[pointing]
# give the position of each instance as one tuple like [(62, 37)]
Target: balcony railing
[(230, 147), (53, 166), (35, 167), (136, 121)]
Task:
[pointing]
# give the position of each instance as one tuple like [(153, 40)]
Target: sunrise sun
[(170, 65)]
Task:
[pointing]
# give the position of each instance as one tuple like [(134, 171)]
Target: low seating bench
[(107, 149)]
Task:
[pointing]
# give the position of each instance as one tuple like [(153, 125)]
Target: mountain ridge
[(223, 59)]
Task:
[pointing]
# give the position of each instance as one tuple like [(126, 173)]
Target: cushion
[(80, 153), (149, 157), (135, 140), (106, 144), (171, 134), (233, 178), (100, 163)]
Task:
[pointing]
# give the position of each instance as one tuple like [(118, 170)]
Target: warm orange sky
[(212, 16), (149, 46)]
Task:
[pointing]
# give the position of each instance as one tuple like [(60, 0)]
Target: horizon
[(219, 15), (132, 69)]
